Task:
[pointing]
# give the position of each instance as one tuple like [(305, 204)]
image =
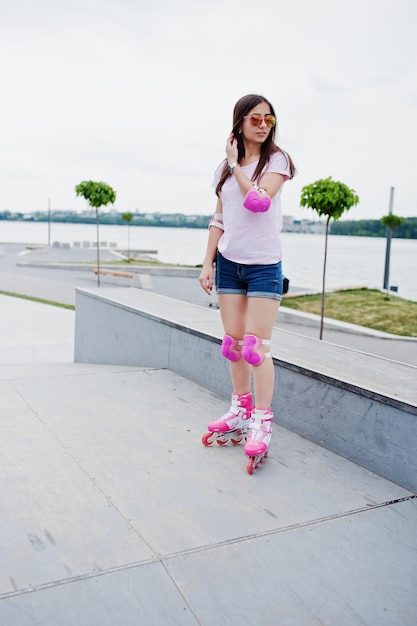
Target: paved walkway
[(113, 513)]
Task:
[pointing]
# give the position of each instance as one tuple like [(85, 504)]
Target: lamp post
[(388, 247), (49, 222)]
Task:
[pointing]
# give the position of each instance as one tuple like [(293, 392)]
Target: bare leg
[(261, 314)]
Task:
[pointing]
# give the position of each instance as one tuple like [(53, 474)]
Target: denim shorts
[(261, 281)]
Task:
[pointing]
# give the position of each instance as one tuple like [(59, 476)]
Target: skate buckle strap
[(232, 422), (258, 429)]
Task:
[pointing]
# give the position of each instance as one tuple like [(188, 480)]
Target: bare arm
[(270, 181), (206, 277)]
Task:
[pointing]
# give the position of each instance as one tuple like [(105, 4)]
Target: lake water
[(351, 261)]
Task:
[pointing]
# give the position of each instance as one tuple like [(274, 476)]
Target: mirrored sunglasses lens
[(256, 120), (270, 121)]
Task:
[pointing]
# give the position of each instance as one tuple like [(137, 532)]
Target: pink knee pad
[(257, 200), (250, 350), (229, 348)]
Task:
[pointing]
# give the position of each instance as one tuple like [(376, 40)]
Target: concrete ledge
[(359, 406)]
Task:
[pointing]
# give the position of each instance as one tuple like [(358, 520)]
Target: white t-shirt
[(251, 238)]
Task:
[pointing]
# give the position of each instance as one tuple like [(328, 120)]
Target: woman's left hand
[(206, 278)]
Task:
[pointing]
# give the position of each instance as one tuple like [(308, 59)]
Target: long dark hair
[(242, 108)]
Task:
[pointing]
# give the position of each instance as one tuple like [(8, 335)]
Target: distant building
[(290, 225)]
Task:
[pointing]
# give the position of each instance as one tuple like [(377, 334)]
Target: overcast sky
[(139, 94)]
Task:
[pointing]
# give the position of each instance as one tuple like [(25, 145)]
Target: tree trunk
[(98, 251), (323, 290), (391, 230)]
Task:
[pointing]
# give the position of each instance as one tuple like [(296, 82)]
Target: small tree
[(128, 217), (330, 198), (391, 221), (97, 195)]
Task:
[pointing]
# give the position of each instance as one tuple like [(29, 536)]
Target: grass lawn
[(365, 307), (32, 299)]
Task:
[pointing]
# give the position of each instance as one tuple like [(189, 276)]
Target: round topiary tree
[(128, 217), (331, 199), (97, 195)]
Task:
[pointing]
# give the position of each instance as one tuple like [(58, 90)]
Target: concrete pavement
[(112, 512)]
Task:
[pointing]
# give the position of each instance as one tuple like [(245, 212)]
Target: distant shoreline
[(355, 228)]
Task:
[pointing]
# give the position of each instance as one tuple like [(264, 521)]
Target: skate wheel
[(251, 465), (205, 439), (222, 442), (236, 442)]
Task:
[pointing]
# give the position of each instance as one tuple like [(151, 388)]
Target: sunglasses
[(256, 119)]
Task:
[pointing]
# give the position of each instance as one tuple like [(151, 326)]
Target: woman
[(244, 239)]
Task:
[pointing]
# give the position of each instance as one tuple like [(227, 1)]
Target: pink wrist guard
[(257, 201), (217, 220)]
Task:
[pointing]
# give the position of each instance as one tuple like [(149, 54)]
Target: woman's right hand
[(231, 149), (206, 278)]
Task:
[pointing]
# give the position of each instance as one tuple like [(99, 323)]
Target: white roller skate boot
[(260, 432), (232, 426)]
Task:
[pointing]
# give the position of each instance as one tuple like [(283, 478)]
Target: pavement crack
[(163, 559), (290, 527)]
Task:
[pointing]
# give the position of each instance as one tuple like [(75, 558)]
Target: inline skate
[(259, 436), (233, 426)]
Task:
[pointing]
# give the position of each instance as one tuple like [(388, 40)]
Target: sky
[(140, 95)]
